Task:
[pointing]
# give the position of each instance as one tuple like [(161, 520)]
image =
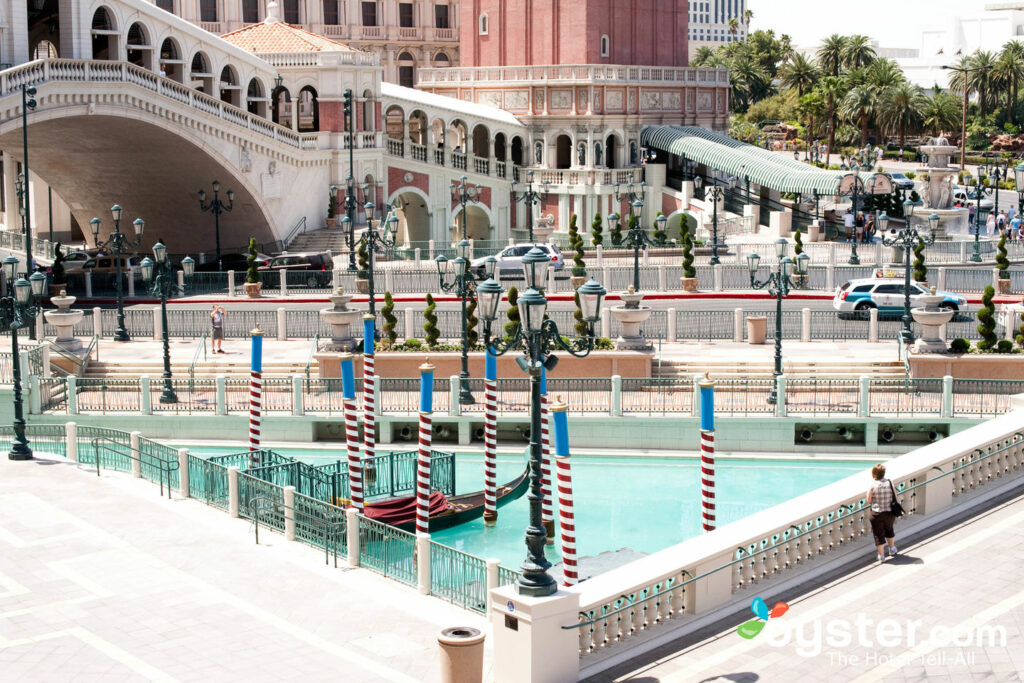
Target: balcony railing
[(583, 73)]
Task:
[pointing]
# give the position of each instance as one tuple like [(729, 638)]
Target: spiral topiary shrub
[(512, 314), (472, 336), (1002, 262), (987, 321), (387, 311), (595, 231), (688, 269), (430, 331), (920, 270), (798, 243)]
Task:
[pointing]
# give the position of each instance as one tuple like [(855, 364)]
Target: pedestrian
[(1015, 227), (901, 155), (990, 225), (848, 222), (880, 497), (1001, 221), (970, 215), (860, 226), (217, 336), (869, 229)]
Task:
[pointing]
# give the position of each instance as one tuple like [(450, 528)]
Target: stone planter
[(578, 281), (252, 289), (1004, 286), (689, 284), (757, 329), (332, 222), (362, 285)]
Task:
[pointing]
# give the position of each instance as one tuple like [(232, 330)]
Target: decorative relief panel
[(491, 98), (631, 106), (516, 100), (561, 99), (538, 99), (581, 99), (650, 100), (704, 103), (597, 101), (671, 100), (614, 99), (689, 100)]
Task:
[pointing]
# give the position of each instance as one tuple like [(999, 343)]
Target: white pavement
[(103, 580)]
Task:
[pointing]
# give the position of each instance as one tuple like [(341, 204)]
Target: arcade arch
[(309, 110), (171, 63), (137, 48), (200, 74), (478, 223), (230, 91), (418, 127), (255, 100), (563, 151), (104, 35), (410, 205), (481, 141)]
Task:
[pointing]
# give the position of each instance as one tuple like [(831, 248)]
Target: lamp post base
[(168, 397), (122, 336), (465, 397), (20, 451)]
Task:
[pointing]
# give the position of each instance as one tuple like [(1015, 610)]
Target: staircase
[(758, 368), (325, 239), (209, 368)]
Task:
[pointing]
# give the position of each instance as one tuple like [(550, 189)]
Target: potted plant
[(390, 321), (689, 278), (59, 278), (332, 210), (579, 270), (363, 268), (1003, 265), (253, 279), (595, 231), (798, 248)]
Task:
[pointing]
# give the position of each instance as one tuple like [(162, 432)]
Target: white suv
[(510, 260)]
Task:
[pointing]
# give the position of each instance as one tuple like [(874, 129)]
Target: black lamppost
[(537, 338), (118, 243), (636, 237), (350, 181), (217, 207), (851, 185), (529, 197), (715, 194), (1018, 179), (19, 311), (348, 221), (160, 278), (379, 239), (465, 192), (779, 283), (907, 239), (980, 192), (28, 102), (461, 283)]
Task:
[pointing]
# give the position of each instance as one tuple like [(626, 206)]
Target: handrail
[(299, 227), (165, 466), (81, 363), (309, 358), (195, 359)]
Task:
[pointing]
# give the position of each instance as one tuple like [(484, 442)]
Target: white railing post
[(672, 332), (133, 441), (158, 324), (389, 280), (492, 565), (947, 396), (417, 258), (35, 398), (737, 325), (233, 491), (47, 370), (97, 320), (283, 286), (864, 407), (352, 536), (430, 250), (336, 279), (716, 271), (695, 403), (963, 251), (72, 395), (181, 280), (780, 396), (39, 328), (830, 276), (600, 255), (298, 409), (71, 432), (145, 396), (940, 282), (409, 334), (184, 483), (606, 326), (805, 325), (88, 284), (616, 403), (289, 512), (282, 325), (221, 383), (645, 259), (231, 283), (423, 563), (662, 279), (873, 325), (551, 280), (454, 409)]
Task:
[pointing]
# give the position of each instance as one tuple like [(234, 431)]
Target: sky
[(893, 24)]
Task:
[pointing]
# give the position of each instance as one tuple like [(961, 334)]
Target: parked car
[(901, 181), (887, 295), (316, 267), (235, 262), (510, 260), (965, 196), (78, 262), (103, 269)]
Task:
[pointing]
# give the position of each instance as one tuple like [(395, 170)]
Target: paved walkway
[(962, 582), (103, 580)]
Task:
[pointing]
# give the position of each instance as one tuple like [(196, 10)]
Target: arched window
[(604, 46), (483, 24), (442, 60), (406, 70)]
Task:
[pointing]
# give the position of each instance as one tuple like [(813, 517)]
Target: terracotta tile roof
[(277, 36)]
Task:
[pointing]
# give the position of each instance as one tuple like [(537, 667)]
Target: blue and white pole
[(707, 451), (255, 395), (490, 437), (423, 459), (355, 467)]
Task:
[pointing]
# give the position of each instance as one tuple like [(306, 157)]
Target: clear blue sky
[(893, 24)]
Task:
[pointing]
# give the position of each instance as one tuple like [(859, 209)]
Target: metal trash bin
[(462, 654), (757, 329)]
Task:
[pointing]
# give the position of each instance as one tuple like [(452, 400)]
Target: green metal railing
[(201, 348), (458, 577), (309, 357), (394, 474), (208, 482), (42, 438), (387, 550), (119, 457)]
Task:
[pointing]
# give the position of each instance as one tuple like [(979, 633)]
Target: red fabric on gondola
[(403, 510)]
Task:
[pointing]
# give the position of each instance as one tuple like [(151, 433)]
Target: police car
[(885, 292)]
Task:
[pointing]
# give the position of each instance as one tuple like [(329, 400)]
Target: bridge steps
[(733, 368), (228, 368), (325, 239)]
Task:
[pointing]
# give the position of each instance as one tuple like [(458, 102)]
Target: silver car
[(510, 260)]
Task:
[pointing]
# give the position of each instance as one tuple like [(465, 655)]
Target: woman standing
[(217, 322), (880, 497)]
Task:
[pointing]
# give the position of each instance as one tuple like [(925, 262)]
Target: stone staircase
[(793, 368), (325, 239), (209, 368)]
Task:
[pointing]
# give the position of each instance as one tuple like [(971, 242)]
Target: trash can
[(462, 654), (757, 329)]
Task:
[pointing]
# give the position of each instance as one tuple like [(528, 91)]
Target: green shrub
[(576, 242), (616, 233), (920, 271), (688, 269), (910, 175), (387, 312), (1005, 346), (1003, 263), (603, 344), (798, 247), (960, 345), (471, 323), (252, 273), (412, 344), (595, 230), (431, 333), (363, 257), (987, 321), (513, 314)]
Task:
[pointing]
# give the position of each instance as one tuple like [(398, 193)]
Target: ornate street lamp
[(636, 238), (217, 207), (455, 276), (464, 193), (529, 197), (907, 239), (28, 102), (1018, 180), (368, 193), (980, 214), (118, 244), (377, 239), (778, 284), (537, 338), (715, 194), (160, 278), (19, 311)]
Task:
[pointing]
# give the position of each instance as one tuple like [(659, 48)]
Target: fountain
[(937, 191), (631, 315), (65, 319), (931, 318), (340, 318)]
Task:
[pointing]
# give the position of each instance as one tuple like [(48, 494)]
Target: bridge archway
[(309, 110), (394, 122), (418, 127), (171, 64), (413, 215), (230, 91), (281, 102), (478, 222), (200, 73), (255, 100), (104, 35), (137, 46), (43, 28)]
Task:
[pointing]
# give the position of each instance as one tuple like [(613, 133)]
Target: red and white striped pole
[(355, 467), (255, 395), (707, 452), (546, 515), (565, 508), (490, 438), (423, 459), (369, 388)]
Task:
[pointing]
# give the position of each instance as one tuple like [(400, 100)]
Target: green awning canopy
[(742, 160)]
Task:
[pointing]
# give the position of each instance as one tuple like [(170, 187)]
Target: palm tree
[(901, 109), (734, 25), (747, 16), (857, 107), (1009, 70), (703, 56), (980, 79), (811, 109), (941, 112), (834, 89), (748, 82), (857, 52), (799, 72), (830, 54), (884, 73)]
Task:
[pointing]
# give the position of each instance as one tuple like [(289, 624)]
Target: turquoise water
[(641, 503)]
